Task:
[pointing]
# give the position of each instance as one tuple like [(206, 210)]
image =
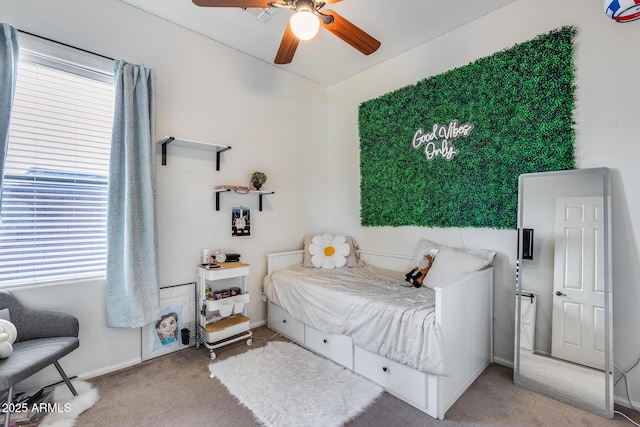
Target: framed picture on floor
[(241, 221), (177, 312)]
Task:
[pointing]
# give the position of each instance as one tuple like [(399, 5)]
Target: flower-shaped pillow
[(328, 251)]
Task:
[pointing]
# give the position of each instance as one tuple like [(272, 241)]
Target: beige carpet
[(175, 390), (579, 383)]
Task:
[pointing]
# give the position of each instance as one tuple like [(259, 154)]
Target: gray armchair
[(43, 338)]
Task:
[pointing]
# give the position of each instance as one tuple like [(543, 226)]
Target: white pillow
[(452, 265), (426, 246)]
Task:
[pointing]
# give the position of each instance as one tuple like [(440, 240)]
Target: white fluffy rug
[(69, 407), (286, 385)]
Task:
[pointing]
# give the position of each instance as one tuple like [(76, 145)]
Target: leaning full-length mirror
[(563, 345)]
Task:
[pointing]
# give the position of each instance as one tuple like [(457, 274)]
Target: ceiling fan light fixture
[(304, 24)]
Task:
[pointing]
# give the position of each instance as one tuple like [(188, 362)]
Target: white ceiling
[(326, 59)]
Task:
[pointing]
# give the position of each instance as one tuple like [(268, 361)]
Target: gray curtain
[(8, 72), (132, 294)]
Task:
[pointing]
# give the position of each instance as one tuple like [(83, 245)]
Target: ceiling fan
[(304, 24)]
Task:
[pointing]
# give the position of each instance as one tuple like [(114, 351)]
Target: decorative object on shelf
[(220, 255), (258, 178), (241, 221), (240, 189), (622, 10), (233, 257)]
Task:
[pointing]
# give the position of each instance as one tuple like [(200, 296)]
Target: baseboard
[(623, 401), (504, 362), (132, 362), (109, 369), (257, 324)]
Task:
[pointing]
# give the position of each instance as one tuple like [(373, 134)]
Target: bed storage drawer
[(401, 380), (281, 321), (338, 348)]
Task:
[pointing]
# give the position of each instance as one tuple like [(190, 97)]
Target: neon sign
[(444, 135)]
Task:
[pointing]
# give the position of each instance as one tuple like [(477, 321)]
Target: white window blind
[(54, 206)]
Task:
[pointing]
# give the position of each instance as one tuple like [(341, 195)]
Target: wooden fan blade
[(233, 3), (350, 33), (288, 47)]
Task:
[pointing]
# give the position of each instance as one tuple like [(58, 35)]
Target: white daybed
[(463, 311)]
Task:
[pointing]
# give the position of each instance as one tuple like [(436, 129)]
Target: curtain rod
[(65, 44)]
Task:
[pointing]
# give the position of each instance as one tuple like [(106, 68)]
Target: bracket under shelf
[(198, 145), (260, 193)]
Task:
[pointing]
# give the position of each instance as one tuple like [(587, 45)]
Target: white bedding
[(370, 305)]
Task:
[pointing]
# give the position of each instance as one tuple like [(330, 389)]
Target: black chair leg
[(65, 378), (7, 414)]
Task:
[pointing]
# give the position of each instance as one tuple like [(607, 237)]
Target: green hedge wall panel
[(521, 103)]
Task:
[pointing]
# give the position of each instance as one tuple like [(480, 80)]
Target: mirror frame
[(608, 410)]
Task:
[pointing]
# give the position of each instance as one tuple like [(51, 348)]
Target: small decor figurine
[(416, 276), (258, 178)]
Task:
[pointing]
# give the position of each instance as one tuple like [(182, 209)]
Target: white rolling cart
[(220, 331)]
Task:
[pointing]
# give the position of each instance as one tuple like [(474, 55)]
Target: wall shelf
[(198, 145), (260, 193)]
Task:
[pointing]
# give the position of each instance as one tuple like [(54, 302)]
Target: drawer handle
[(385, 369), (325, 341)]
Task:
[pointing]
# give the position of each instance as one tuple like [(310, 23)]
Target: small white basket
[(237, 307), (239, 302), (225, 306)]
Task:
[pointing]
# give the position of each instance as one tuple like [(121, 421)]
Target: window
[(54, 206)]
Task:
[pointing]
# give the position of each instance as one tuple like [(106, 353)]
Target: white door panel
[(578, 300)]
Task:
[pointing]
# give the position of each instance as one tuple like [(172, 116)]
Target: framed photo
[(177, 311), (240, 221)]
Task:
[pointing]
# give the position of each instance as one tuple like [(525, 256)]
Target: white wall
[(205, 91), (607, 129)]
